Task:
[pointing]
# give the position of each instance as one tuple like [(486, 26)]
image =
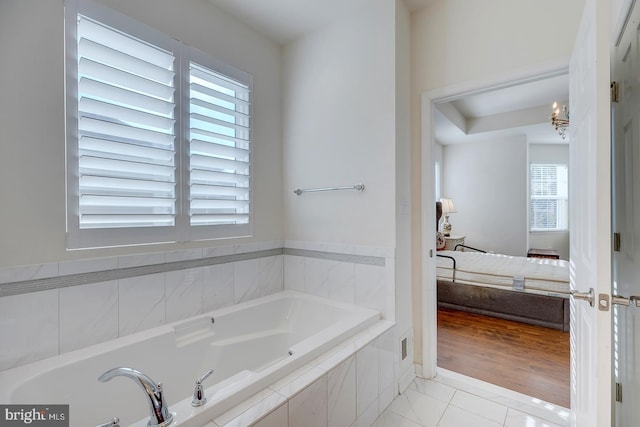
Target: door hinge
[(615, 91), (616, 242), (618, 392)]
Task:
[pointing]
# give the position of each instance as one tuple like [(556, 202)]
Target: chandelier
[(560, 119)]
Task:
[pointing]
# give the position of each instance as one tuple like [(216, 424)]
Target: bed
[(529, 290)]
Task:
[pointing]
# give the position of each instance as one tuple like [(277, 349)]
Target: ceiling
[(517, 110), (524, 110), (286, 20)]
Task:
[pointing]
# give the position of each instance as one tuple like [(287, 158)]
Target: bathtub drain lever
[(199, 398)]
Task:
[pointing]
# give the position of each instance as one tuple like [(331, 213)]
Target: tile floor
[(454, 400)]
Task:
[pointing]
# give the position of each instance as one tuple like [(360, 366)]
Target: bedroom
[(489, 148), (483, 166)]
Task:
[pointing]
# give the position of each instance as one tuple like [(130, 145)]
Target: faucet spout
[(160, 415)]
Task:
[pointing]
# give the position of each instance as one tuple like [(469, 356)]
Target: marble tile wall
[(44, 323), (41, 324), (360, 275), (353, 392)]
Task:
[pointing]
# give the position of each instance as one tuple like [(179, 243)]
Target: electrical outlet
[(403, 345)]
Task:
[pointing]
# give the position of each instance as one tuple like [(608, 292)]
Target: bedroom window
[(437, 180), (158, 136), (549, 190)]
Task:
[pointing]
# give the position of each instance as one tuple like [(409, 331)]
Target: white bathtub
[(249, 346)]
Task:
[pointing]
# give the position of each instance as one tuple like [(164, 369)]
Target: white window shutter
[(126, 135), (219, 148), (158, 136)]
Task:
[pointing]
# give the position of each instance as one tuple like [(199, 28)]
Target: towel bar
[(357, 187)]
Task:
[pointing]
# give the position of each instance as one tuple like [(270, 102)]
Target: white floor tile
[(433, 389), (457, 417), (520, 419), (418, 408), (452, 400), (527, 404), (391, 419), (479, 406)]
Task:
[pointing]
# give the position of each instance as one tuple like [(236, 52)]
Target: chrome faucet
[(199, 398), (160, 415)]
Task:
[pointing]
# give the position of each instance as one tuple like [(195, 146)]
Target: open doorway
[(486, 141)]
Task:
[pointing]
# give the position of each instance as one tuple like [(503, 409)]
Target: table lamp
[(447, 208)]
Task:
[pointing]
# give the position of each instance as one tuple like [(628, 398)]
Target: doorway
[(439, 105)]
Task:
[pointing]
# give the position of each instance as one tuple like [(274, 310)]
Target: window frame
[(556, 197), (181, 231)]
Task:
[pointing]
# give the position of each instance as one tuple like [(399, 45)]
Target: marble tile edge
[(336, 256), (62, 281)]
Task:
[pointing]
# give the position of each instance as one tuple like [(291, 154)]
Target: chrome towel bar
[(357, 187)]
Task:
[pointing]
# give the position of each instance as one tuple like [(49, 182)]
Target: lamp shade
[(447, 206)]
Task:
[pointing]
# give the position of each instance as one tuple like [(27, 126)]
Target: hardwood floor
[(528, 359)]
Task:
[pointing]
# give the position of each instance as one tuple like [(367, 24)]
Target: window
[(549, 197), (158, 136), (438, 176)]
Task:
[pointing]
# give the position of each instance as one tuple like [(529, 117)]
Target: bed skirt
[(535, 309)]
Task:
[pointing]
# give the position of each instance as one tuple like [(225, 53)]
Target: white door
[(590, 218), (626, 205)]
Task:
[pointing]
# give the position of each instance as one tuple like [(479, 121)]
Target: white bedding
[(542, 276)]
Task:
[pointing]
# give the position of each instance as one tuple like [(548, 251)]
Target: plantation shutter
[(126, 135), (219, 148)]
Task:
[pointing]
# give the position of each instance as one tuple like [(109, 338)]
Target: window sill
[(548, 231)]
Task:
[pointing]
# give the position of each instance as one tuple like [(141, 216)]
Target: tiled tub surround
[(88, 301), (360, 275), (250, 346), (349, 386), (54, 308)]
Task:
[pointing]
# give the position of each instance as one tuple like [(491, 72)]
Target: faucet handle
[(199, 398), (115, 422), (204, 376)]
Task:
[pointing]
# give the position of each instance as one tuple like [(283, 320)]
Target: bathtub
[(249, 346)]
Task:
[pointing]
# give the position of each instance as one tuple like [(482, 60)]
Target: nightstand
[(452, 241)]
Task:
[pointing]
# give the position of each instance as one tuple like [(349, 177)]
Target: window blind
[(126, 130), (548, 197), (219, 148)]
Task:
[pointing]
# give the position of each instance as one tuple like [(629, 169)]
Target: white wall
[(32, 153), (558, 240), (404, 237), (457, 41), (488, 184), (480, 177), (340, 105), (346, 109)]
